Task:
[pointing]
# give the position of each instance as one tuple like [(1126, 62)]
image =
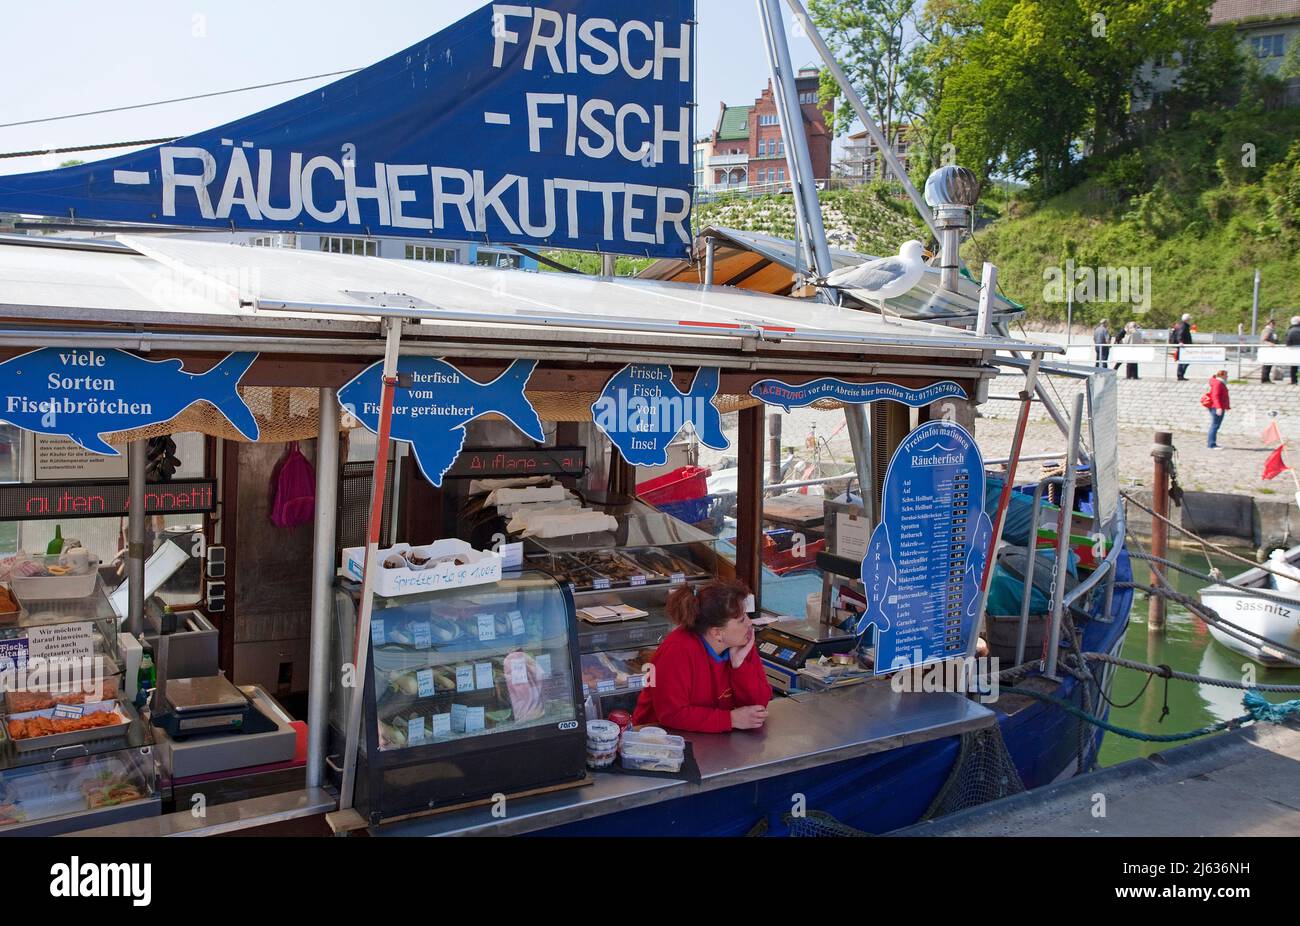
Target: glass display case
[(471, 692), (73, 753)]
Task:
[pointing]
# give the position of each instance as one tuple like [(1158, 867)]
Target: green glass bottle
[(56, 545)]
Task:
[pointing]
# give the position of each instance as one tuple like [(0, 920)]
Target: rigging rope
[(1186, 676), (1245, 590)]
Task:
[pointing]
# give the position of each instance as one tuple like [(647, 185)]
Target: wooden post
[(749, 501), (1162, 452), (774, 449)]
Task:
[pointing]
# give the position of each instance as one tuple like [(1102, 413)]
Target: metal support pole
[(1004, 499), (1029, 569), (1254, 308), (608, 265), (1063, 539), (322, 586), (137, 455), (859, 108), (988, 289), (807, 204), (859, 427), (361, 641), (710, 259), (1162, 451)]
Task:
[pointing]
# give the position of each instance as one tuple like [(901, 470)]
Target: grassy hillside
[(1192, 207)]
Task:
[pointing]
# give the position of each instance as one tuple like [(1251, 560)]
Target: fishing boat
[(1272, 620)]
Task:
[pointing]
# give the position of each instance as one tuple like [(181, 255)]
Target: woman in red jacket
[(706, 677), (1218, 405)]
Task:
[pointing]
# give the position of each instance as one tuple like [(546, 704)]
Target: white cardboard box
[(482, 568)]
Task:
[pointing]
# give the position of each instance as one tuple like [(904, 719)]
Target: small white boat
[(1275, 621)]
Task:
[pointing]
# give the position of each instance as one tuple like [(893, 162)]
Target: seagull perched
[(884, 278)]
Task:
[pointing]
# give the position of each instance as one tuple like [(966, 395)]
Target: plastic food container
[(51, 588), (602, 732), (653, 750), (601, 759)]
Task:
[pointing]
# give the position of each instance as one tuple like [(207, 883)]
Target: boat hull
[(1273, 620)]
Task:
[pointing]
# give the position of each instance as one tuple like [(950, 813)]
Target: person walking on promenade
[(1216, 400), (1101, 342), (1267, 338), (1129, 334), (1181, 334), (1293, 340)]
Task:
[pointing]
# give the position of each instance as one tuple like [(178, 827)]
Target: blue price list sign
[(924, 565)]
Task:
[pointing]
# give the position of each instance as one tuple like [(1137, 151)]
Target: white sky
[(69, 56)]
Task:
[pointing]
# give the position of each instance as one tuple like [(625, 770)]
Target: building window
[(429, 252), (808, 98), (767, 120), (780, 149), (362, 247), (780, 175), (499, 260), (1268, 46)]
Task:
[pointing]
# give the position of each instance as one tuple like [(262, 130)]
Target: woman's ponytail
[(683, 607)]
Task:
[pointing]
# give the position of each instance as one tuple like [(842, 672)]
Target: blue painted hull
[(885, 791)]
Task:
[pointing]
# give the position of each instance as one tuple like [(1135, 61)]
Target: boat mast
[(808, 214)]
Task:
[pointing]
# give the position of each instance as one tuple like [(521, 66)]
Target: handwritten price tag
[(415, 730), (544, 665), (516, 623), (483, 675), (377, 632), (424, 678), (458, 712), (441, 724), (487, 628), (464, 678), (423, 634), (474, 720)]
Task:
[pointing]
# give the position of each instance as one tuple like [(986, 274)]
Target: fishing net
[(983, 772), (817, 824), (289, 413)]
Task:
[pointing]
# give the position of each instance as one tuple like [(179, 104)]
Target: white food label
[(638, 580), (516, 623), (519, 672), (677, 578), (62, 641), (474, 719), (424, 678), (415, 730), (605, 685), (635, 681), (544, 665), (458, 718), (483, 675), (600, 583), (487, 629), (423, 635), (69, 711), (441, 724), (377, 633), (512, 555), (464, 678)]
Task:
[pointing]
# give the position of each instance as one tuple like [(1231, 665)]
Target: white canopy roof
[(150, 280)]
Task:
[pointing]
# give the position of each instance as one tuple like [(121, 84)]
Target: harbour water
[(1185, 645)]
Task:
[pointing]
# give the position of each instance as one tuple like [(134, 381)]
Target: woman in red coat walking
[(1218, 405), (707, 677)]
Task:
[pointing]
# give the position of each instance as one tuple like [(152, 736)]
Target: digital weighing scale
[(209, 704), (786, 647)]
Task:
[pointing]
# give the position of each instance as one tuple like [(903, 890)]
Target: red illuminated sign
[(541, 461), (104, 499)]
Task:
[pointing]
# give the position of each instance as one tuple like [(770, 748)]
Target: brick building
[(748, 142)]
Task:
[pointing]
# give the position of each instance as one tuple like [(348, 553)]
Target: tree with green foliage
[(873, 40)]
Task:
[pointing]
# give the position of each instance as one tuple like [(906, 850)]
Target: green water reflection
[(1185, 645)]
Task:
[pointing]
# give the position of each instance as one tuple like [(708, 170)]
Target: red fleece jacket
[(694, 692), (1219, 394)]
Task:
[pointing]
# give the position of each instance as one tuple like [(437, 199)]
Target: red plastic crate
[(682, 484)]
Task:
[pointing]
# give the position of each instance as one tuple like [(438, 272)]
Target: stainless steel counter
[(805, 731)]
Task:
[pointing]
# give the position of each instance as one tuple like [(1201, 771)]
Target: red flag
[(1271, 434), (1274, 464)]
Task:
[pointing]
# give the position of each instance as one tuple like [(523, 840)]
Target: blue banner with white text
[(557, 123)]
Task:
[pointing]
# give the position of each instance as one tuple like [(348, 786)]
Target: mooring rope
[(1253, 592), (1258, 709), (1166, 672)]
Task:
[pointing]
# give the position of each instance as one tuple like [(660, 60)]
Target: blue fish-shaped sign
[(787, 396), (925, 562), (641, 411), (84, 393), (432, 413)]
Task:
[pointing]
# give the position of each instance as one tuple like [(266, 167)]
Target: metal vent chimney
[(952, 192)]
